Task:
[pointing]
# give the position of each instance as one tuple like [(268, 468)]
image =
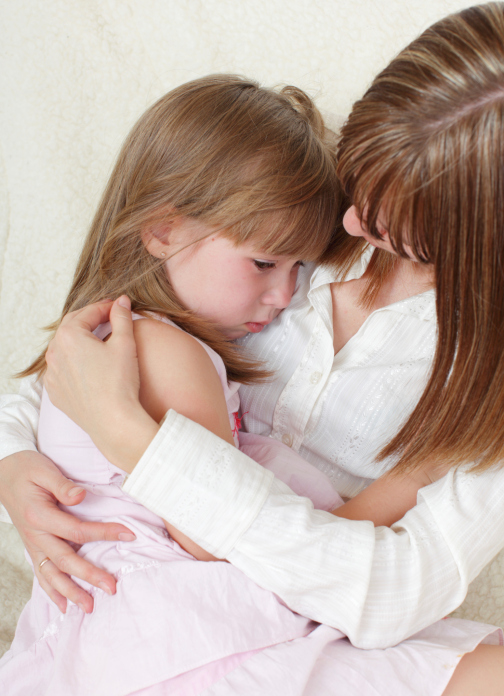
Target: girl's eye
[(264, 265)]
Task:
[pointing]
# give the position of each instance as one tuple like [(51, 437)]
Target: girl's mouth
[(254, 326)]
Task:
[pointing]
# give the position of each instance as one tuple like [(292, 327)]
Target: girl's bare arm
[(177, 373)]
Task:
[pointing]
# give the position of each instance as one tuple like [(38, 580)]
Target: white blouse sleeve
[(378, 586), (19, 415)]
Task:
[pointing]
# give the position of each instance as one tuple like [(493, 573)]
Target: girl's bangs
[(301, 231)]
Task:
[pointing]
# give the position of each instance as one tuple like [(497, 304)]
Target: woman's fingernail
[(124, 301), (105, 588), (75, 491), (127, 536), (82, 607)]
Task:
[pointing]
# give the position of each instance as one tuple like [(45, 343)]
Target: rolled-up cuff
[(199, 483)]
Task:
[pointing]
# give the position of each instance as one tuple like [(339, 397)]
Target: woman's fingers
[(91, 380), (30, 486), (59, 526), (121, 319), (48, 518), (54, 574), (89, 317), (97, 383), (54, 595), (61, 587)]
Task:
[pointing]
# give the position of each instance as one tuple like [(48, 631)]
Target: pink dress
[(178, 626)]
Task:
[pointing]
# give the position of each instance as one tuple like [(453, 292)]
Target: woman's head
[(421, 156), (249, 164), (422, 150)]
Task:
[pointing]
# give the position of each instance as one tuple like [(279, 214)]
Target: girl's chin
[(234, 334)]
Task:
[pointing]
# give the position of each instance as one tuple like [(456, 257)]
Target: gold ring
[(44, 560)]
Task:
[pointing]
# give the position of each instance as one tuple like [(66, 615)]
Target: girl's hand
[(96, 383), (30, 488)]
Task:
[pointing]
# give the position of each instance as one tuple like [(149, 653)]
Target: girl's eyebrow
[(266, 257)]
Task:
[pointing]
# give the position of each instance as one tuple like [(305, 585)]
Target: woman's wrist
[(126, 436)]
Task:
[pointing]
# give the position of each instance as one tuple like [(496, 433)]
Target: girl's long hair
[(425, 148), (257, 164)]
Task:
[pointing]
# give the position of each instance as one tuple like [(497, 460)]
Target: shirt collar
[(423, 306)]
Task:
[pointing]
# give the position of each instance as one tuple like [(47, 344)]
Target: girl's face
[(237, 287)]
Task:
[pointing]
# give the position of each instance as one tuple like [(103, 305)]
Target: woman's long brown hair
[(256, 164), (425, 148)]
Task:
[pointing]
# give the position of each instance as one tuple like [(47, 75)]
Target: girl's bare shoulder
[(156, 338), (177, 373)]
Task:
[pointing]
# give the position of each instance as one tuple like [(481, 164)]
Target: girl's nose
[(280, 294)]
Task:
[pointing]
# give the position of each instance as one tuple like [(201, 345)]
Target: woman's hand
[(30, 487), (96, 383), (80, 366)]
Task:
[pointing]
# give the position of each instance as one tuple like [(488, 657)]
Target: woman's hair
[(424, 148), (256, 164)]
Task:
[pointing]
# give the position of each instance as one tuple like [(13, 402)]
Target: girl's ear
[(156, 239)]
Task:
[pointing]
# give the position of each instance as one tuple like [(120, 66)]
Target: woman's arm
[(376, 585), (388, 499), (19, 418)]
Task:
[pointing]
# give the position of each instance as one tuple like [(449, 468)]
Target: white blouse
[(339, 411), (376, 585)]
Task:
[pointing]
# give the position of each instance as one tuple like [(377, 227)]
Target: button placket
[(288, 439), (298, 398)]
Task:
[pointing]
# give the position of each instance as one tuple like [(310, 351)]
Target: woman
[(420, 156)]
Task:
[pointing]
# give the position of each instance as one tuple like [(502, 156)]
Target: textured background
[(76, 74)]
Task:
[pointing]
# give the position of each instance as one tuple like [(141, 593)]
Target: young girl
[(203, 223)]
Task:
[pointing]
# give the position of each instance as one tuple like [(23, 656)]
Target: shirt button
[(287, 439), (315, 377)]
